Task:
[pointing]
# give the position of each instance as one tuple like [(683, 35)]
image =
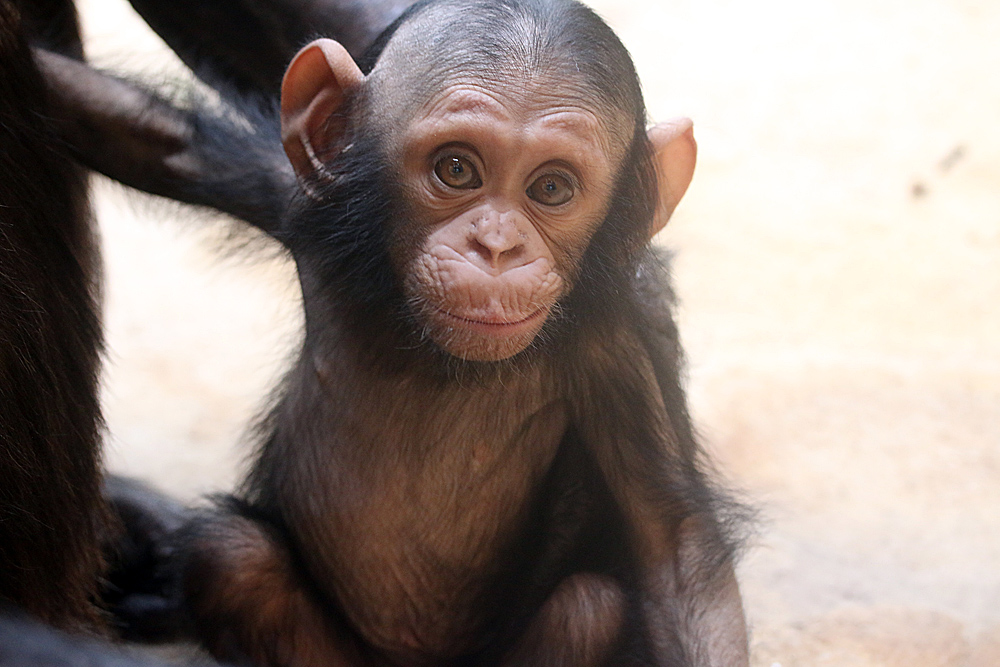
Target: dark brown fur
[(53, 519), (51, 512)]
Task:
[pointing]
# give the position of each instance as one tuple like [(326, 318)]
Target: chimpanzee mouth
[(497, 327)]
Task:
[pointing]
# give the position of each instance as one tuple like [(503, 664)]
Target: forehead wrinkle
[(462, 109), (539, 104), (582, 121), (472, 104), (466, 99), (405, 94), (576, 121)]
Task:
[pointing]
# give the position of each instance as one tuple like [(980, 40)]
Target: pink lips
[(499, 328)]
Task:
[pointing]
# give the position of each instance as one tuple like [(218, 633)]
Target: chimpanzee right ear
[(319, 80)]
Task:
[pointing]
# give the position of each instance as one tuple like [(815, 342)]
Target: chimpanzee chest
[(420, 545)]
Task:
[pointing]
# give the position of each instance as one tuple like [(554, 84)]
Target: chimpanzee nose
[(498, 239)]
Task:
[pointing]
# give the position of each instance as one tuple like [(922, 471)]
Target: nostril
[(513, 252), (483, 250)]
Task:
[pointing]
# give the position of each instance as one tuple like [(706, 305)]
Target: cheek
[(570, 245)]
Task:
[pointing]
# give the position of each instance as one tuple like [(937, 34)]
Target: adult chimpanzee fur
[(53, 520), (51, 513), (593, 536)]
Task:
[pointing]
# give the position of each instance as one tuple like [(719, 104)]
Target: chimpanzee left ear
[(316, 85), (674, 154)]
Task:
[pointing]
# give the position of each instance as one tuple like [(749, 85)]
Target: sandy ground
[(838, 261)]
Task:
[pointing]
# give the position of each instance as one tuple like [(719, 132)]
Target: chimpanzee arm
[(249, 600), (192, 155), (690, 601), (249, 43)]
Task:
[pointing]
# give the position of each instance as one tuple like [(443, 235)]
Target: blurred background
[(838, 264)]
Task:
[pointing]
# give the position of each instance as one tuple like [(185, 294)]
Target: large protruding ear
[(674, 153), (318, 82)]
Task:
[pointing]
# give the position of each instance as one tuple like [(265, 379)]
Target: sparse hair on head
[(554, 40)]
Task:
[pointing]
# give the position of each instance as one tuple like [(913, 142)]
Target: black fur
[(51, 513), (53, 519)]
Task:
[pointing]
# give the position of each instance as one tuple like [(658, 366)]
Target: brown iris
[(457, 172), (551, 190)]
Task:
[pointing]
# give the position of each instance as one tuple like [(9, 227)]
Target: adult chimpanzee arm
[(194, 155), (51, 514), (52, 517), (248, 43)]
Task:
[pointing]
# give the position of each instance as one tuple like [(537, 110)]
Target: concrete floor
[(838, 261)]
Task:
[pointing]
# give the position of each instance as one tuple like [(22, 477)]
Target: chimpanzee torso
[(433, 482)]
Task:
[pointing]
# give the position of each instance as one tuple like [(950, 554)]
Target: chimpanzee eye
[(458, 172), (551, 190)]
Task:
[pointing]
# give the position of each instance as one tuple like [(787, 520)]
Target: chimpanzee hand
[(140, 590)]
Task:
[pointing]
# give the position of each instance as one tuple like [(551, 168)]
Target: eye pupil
[(457, 172), (551, 190)]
